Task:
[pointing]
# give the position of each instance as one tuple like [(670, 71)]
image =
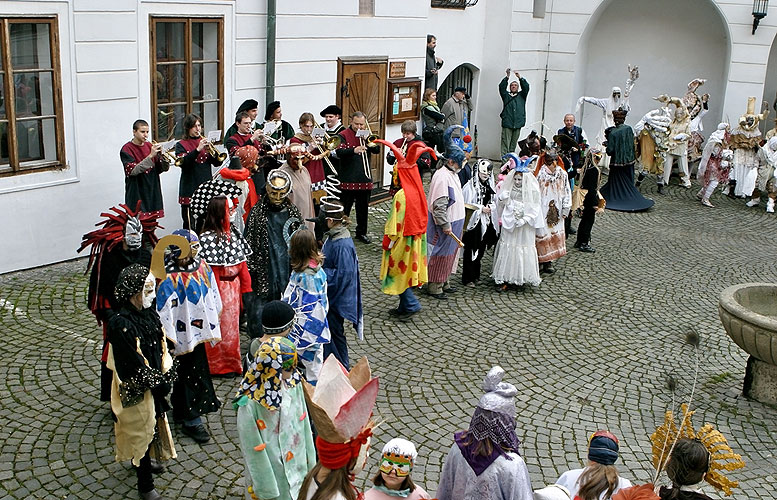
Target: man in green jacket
[(513, 111)]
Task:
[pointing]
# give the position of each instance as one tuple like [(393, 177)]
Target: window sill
[(49, 174)]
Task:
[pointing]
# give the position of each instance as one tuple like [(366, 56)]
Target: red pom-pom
[(467, 138)]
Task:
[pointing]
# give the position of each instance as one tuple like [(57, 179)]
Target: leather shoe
[(151, 495), (577, 244), (438, 296), (587, 248), (363, 238), (156, 467), (450, 289), (196, 432), (572, 230)]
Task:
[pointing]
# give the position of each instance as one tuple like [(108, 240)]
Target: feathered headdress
[(112, 231), (722, 457), (516, 163), (416, 213), (452, 150)]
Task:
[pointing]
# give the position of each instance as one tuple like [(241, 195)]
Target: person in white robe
[(518, 214)]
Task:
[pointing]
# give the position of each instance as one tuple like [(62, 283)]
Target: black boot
[(732, 186), (660, 188), (640, 178)]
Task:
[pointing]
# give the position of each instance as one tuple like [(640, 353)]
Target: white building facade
[(79, 72)]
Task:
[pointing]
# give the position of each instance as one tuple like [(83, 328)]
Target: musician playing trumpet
[(354, 172), (240, 143), (315, 154), (195, 157), (143, 164), (409, 136)]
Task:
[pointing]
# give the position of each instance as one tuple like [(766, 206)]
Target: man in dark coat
[(513, 111), (433, 63)]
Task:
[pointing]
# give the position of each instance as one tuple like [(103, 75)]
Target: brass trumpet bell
[(333, 142), (221, 157)]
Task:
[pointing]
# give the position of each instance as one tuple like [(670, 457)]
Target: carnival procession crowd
[(265, 242)]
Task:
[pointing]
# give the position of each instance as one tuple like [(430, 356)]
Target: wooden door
[(362, 87)]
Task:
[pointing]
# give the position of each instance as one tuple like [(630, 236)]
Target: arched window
[(460, 77)]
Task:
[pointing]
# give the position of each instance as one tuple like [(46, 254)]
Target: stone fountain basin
[(749, 314)]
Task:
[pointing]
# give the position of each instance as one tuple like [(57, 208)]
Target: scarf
[(263, 381), (393, 493), (307, 138)]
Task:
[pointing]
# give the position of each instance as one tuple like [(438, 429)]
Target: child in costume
[(307, 294), (275, 319), (343, 283), (393, 480), (340, 406), (273, 424), (484, 463), (599, 480), (225, 250)]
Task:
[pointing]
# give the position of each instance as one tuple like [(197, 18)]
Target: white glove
[(520, 222), (681, 137)]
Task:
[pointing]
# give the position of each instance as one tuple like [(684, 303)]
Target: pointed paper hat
[(341, 403)]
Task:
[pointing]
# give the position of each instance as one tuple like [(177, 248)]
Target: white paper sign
[(214, 136), (269, 128), (169, 144), (363, 133), (318, 132)]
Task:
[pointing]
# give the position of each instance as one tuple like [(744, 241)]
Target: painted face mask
[(149, 291), (278, 187), (400, 466), (518, 179), (484, 169), (133, 233)]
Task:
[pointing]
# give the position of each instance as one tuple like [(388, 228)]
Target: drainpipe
[(269, 95), (547, 60)]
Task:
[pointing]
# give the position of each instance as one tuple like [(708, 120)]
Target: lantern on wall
[(760, 8)]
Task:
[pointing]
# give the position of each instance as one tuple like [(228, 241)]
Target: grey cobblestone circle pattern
[(590, 348)]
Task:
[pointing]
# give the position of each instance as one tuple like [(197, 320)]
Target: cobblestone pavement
[(590, 348)]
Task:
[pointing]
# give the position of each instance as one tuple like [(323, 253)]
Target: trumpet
[(221, 157), (369, 142), (168, 155)]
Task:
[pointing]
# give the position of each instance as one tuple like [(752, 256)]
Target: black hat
[(277, 317), (332, 109), (460, 89), (271, 109), (247, 104)]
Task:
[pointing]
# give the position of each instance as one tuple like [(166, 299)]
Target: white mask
[(133, 233), (518, 179), (149, 291)]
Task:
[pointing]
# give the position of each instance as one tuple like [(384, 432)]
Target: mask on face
[(149, 291), (232, 211), (278, 187), (518, 179), (133, 233), (195, 246)]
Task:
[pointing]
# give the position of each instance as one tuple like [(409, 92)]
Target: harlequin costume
[(227, 254), (189, 305), (273, 424), (107, 258), (480, 232), (404, 263)]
